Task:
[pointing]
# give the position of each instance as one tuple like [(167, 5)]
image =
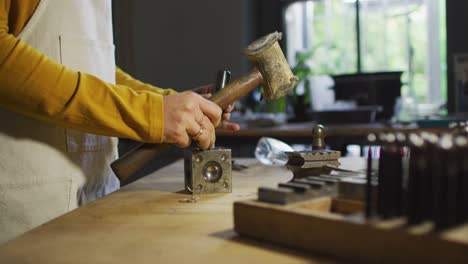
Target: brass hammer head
[(269, 59)]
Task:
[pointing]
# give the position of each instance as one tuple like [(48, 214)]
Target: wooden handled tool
[(272, 72)]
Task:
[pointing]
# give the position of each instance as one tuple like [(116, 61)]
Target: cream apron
[(45, 170)]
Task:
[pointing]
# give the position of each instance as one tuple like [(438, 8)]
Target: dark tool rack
[(410, 206)]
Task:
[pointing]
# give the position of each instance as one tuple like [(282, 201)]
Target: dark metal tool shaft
[(370, 210), (416, 182)]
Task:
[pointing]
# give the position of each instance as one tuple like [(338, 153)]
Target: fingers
[(207, 139), (211, 110), (229, 109), (195, 131), (227, 112), (226, 116), (201, 130), (211, 114), (231, 126), (189, 117)]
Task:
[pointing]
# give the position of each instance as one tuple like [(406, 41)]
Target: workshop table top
[(148, 222)]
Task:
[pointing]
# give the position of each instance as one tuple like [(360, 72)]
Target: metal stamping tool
[(417, 183), (208, 171), (315, 162), (462, 193)]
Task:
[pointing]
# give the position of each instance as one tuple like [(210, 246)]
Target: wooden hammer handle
[(236, 89), (135, 159)]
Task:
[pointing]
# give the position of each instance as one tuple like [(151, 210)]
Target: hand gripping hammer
[(271, 71)]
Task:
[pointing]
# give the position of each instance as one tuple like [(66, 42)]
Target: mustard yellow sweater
[(34, 85)]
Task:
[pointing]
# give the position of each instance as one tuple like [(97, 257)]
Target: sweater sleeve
[(34, 85), (124, 78)]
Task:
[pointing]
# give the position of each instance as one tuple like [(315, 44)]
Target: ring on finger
[(198, 135)]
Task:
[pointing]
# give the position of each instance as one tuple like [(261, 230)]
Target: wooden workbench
[(145, 222)]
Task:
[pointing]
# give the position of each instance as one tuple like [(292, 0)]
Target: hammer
[(271, 70)]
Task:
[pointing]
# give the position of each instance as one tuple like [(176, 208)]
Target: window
[(354, 36)]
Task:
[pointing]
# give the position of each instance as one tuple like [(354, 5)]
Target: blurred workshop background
[(361, 63)]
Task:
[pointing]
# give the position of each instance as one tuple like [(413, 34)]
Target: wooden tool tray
[(338, 228)]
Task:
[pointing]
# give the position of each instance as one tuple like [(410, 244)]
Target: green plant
[(299, 97), (319, 60)]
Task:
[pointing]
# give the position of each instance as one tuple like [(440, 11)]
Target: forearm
[(34, 85)]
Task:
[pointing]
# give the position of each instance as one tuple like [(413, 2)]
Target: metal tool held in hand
[(209, 171), (272, 71)]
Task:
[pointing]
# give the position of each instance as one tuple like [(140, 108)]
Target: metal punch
[(208, 171), (315, 162)]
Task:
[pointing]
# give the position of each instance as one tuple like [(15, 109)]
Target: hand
[(188, 116), (206, 91), (226, 117)]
